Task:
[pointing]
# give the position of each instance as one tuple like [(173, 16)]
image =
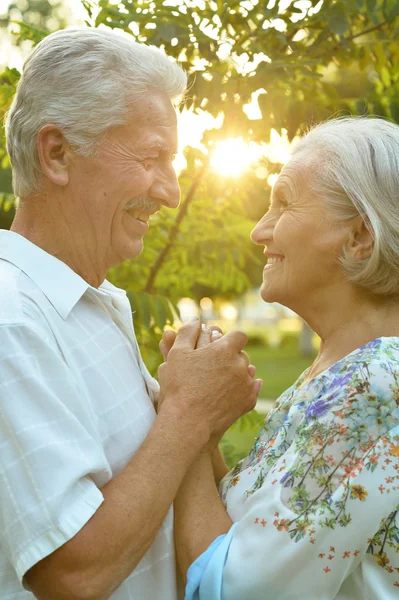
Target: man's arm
[(106, 550)]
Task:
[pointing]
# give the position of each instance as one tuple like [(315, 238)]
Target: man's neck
[(43, 224)]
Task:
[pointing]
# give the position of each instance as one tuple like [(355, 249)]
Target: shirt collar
[(61, 286)]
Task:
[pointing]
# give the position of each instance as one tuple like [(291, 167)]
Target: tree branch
[(365, 31), (174, 230)]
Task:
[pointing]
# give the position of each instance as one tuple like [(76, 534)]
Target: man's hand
[(212, 383)]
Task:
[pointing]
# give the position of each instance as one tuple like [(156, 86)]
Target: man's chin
[(134, 249), (127, 252)]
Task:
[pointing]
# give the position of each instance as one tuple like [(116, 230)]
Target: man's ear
[(361, 242), (54, 152)]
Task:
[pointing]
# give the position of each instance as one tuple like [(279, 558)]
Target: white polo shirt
[(75, 405)]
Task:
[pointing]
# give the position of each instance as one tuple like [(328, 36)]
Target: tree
[(290, 56), (232, 52)]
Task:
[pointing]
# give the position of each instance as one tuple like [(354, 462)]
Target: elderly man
[(88, 470)]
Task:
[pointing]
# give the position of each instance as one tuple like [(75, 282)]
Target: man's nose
[(166, 191)]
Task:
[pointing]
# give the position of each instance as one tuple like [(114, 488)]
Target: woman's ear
[(361, 241), (54, 150)]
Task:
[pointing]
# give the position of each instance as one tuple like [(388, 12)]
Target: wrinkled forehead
[(293, 180), (152, 124), (155, 110)]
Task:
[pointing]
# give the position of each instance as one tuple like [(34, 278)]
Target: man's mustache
[(144, 204)]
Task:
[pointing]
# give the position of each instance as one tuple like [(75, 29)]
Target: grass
[(279, 368)]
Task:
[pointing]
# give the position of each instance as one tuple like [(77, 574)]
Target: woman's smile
[(272, 262)]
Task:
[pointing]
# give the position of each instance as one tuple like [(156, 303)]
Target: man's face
[(129, 179)]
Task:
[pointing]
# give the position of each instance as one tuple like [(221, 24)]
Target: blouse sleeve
[(207, 583), (330, 501), (276, 553), (308, 552)]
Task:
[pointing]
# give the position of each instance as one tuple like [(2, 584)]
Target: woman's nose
[(263, 230)]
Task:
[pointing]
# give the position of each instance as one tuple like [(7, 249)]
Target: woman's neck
[(351, 324)]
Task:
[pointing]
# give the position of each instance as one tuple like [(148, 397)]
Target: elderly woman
[(312, 512)]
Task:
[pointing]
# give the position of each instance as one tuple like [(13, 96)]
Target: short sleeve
[(51, 463)]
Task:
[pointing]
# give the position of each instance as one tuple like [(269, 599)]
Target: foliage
[(238, 48), (35, 18), (290, 59), (239, 439)]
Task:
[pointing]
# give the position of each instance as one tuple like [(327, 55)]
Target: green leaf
[(161, 312), (28, 32), (248, 422), (338, 23), (385, 77)]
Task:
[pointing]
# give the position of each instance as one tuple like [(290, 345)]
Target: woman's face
[(302, 244)]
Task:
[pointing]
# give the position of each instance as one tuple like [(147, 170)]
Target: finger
[(258, 384), (215, 328), (251, 371), (235, 340), (167, 342), (246, 357), (187, 336), (216, 332), (215, 335), (204, 338), (162, 371)]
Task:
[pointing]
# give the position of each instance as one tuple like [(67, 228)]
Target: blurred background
[(260, 73)]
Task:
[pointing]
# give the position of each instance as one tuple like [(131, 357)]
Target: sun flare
[(231, 157)]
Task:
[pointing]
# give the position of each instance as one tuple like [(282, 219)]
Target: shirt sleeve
[(291, 545), (49, 457)]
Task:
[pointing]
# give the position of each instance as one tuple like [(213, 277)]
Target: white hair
[(353, 166), (84, 81)]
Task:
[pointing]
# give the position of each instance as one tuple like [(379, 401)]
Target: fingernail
[(215, 335)]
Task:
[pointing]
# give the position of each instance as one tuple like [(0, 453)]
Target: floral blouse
[(316, 502)]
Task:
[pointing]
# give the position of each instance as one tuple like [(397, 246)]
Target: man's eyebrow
[(157, 145)]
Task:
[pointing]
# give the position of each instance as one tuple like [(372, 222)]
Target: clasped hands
[(208, 377)]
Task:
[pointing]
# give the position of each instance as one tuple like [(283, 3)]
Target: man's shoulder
[(21, 301)]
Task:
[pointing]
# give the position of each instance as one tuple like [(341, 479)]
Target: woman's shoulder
[(377, 350), (375, 361)]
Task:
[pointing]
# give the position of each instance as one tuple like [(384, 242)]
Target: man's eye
[(148, 162)]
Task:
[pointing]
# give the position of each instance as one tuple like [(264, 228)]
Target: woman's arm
[(200, 516), (220, 468)]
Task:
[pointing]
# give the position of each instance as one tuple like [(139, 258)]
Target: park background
[(260, 74)]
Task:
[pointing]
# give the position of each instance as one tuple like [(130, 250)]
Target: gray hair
[(353, 166), (83, 81)]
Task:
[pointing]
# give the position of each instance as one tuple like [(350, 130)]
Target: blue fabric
[(205, 575)]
